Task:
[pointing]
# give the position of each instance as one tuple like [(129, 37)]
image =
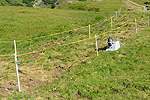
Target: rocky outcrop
[(38, 4)]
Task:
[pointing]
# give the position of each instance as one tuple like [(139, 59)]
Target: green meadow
[(57, 59), (142, 2), (102, 6)]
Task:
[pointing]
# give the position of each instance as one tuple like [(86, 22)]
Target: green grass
[(3, 2), (122, 74), (12, 2), (97, 6), (28, 23), (77, 72), (141, 2), (23, 23)]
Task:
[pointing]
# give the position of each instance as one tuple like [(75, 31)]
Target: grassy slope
[(30, 23), (4, 2), (100, 6), (23, 23), (39, 66), (122, 74), (63, 2), (141, 2), (12, 1)]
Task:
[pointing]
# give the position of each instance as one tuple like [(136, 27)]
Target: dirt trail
[(129, 5), (133, 7), (138, 5)]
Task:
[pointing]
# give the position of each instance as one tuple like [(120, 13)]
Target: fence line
[(6, 55), (68, 43), (64, 44), (59, 45), (53, 34)]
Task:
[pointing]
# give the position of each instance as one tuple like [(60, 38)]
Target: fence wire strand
[(62, 33)]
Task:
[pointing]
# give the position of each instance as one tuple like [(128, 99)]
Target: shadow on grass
[(104, 48)]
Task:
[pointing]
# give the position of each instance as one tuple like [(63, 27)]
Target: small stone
[(89, 62), (41, 54)]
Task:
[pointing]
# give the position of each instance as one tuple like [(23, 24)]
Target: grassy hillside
[(66, 69), (39, 25), (30, 3), (3, 2), (27, 3), (97, 6), (122, 74), (30, 23), (63, 2), (143, 2)]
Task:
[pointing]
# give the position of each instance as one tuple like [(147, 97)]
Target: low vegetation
[(28, 3), (99, 6), (143, 2), (61, 68), (122, 74)]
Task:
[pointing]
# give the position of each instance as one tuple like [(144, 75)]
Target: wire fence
[(70, 43), (4, 55)]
